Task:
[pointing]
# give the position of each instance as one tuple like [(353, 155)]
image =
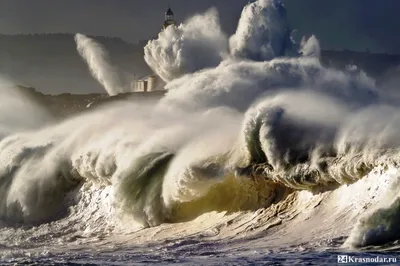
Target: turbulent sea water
[(257, 154)]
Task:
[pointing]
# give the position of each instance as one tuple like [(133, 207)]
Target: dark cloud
[(339, 24)]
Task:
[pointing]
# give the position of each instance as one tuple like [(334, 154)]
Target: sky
[(338, 24)]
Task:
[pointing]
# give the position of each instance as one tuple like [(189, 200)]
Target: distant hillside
[(51, 63), (66, 104)]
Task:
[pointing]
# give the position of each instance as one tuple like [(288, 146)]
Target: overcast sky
[(339, 24)]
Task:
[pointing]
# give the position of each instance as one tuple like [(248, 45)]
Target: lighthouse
[(169, 19)]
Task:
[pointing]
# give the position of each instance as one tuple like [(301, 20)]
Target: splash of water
[(194, 45), (18, 112), (310, 47), (96, 57), (231, 134), (263, 32)]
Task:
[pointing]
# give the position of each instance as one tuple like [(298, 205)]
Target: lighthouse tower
[(169, 19)]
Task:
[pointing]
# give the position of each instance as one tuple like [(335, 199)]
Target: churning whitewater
[(253, 136)]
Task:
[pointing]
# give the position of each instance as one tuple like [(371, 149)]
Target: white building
[(153, 82), (147, 84)]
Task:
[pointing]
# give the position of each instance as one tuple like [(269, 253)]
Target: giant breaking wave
[(248, 122)]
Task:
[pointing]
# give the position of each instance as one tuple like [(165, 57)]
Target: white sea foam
[(234, 133)]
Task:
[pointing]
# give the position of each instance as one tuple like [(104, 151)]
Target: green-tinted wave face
[(378, 227), (139, 191), (231, 194)]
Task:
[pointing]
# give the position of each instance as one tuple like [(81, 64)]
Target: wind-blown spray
[(194, 45), (18, 112), (263, 32), (310, 47), (99, 64), (238, 132)]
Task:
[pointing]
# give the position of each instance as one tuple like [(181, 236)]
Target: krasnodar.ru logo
[(365, 259), (342, 259)]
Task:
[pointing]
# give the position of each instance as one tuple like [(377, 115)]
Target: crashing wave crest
[(231, 134)]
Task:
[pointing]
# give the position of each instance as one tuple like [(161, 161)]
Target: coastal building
[(153, 82), (169, 19), (147, 84)]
